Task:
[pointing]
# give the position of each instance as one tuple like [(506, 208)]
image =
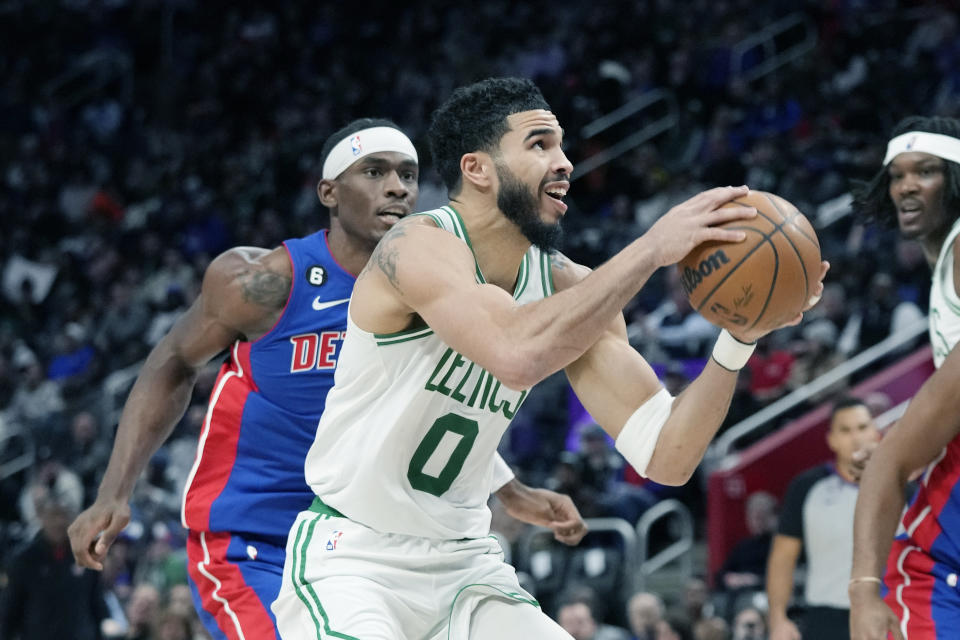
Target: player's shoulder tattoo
[(265, 288), (386, 255)]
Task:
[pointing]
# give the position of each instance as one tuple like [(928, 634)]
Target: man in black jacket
[(47, 596)]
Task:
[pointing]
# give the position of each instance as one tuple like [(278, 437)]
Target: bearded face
[(521, 206)]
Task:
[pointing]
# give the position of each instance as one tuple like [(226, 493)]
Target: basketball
[(759, 283)]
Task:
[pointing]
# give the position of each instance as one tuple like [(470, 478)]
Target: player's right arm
[(930, 422), (242, 294), (780, 567), (419, 270)]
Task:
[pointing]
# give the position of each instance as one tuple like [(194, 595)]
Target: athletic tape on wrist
[(639, 435), (363, 143), (730, 353), (946, 147)]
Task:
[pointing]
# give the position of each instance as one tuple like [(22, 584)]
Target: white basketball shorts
[(346, 581)]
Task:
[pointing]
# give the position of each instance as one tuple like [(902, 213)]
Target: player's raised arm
[(664, 438), (243, 291), (421, 270)]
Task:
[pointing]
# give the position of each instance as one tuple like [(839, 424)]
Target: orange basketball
[(765, 280)]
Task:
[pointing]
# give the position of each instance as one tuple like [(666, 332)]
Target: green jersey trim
[(430, 215), (383, 339), (509, 594), (318, 506), (304, 589), (460, 230), (944, 274), (523, 277), (546, 274), (950, 303), (458, 226)]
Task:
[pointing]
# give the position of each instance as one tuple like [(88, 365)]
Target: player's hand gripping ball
[(762, 282)]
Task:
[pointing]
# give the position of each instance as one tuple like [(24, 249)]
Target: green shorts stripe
[(300, 584), (508, 594), (296, 575)]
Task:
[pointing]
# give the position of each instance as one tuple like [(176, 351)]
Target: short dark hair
[(357, 125), (845, 402), (580, 594), (474, 118), (871, 199)]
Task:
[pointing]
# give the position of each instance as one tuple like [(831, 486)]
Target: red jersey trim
[(226, 596), (217, 448)]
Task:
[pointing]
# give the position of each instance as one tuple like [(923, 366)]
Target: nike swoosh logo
[(320, 306)]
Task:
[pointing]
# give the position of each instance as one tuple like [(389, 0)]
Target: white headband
[(363, 143), (936, 144)]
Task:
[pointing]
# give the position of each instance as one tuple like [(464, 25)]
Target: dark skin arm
[(928, 425), (244, 291)]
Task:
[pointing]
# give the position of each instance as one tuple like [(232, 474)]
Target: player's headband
[(363, 143), (936, 144)]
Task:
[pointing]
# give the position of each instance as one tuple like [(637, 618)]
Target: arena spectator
[(578, 615), (746, 564), (46, 597), (644, 612)]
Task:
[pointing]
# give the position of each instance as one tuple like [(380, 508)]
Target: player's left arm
[(616, 385), (543, 508), (613, 381), (930, 422)]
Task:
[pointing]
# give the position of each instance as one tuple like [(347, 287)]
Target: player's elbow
[(670, 477), (517, 369), (669, 472)]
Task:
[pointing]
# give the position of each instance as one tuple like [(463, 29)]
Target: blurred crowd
[(140, 138)]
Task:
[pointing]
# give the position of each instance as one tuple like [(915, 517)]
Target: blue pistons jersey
[(263, 412)]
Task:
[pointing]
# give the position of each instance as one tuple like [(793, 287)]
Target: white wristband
[(639, 435), (730, 353)]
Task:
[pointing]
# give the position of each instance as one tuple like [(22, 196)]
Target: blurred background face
[(84, 427), (749, 625), (54, 520), (695, 594), (143, 606), (577, 620), (179, 599), (644, 612), (666, 632), (851, 429), (761, 513)]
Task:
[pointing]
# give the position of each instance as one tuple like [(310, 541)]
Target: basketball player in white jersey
[(918, 189), (458, 313)]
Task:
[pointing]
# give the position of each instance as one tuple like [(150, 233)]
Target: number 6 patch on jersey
[(317, 275)]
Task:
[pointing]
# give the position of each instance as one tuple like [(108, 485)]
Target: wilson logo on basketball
[(691, 278)]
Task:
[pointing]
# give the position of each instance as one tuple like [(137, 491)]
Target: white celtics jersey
[(944, 303), (407, 439)]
